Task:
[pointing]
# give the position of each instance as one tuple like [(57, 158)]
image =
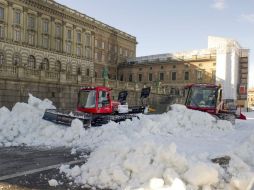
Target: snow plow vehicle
[(208, 98), (95, 107)]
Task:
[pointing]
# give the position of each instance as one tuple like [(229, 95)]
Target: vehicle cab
[(96, 100), (203, 97)]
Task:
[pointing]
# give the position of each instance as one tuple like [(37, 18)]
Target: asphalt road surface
[(27, 168)]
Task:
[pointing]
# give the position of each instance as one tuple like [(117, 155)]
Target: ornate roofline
[(73, 15)]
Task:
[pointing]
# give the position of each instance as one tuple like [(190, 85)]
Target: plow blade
[(66, 118)]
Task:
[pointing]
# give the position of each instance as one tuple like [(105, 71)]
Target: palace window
[(79, 37), (150, 77), (79, 70), (58, 31), (2, 60), (69, 68), (17, 17), (199, 75), (31, 22), (103, 45), (213, 75), (16, 59), (121, 51), (186, 75), (1, 13), (69, 34), (88, 40), (45, 64), (174, 66), (58, 66), (121, 77), (45, 28), (17, 34), (31, 37), (161, 76), (126, 53), (173, 75), (87, 72), (31, 62), (130, 78), (68, 47), (58, 45), (1, 31), (95, 43), (45, 41), (79, 51), (98, 56), (88, 53), (140, 77)]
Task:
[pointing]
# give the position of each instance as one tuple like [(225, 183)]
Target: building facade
[(251, 98), (224, 63), (45, 35)]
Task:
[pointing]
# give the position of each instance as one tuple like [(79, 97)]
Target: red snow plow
[(95, 107), (208, 98)]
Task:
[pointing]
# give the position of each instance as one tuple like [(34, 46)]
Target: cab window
[(103, 99)]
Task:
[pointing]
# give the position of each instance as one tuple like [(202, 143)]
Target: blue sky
[(165, 26)]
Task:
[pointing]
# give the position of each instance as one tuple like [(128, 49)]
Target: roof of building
[(76, 13)]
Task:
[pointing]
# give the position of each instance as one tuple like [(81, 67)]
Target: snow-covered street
[(171, 151)]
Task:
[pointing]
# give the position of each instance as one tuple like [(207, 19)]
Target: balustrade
[(21, 73), (8, 71)]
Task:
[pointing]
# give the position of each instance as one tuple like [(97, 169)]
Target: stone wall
[(63, 96)]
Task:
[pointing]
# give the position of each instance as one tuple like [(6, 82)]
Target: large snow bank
[(167, 151)]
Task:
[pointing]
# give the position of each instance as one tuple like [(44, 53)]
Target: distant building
[(224, 62), (251, 98)]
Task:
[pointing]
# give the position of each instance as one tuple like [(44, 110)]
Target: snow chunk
[(37, 103), (156, 183), (201, 174), (53, 183)]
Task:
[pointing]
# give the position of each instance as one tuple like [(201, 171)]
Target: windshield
[(202, 97), (87, 99)]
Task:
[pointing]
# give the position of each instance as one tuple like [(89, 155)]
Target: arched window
[(45, 64), (16, 59), (58, 66), (31, 62), (69, 68), (79, 70), (2, 59)]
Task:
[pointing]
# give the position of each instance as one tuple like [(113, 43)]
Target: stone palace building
[(45, 35)]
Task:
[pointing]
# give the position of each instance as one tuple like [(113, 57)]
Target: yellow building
[(224, 62)]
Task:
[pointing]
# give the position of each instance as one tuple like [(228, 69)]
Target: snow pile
[(169, 151), (23, 125)]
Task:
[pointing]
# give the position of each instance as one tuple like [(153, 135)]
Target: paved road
[(26, 168)]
